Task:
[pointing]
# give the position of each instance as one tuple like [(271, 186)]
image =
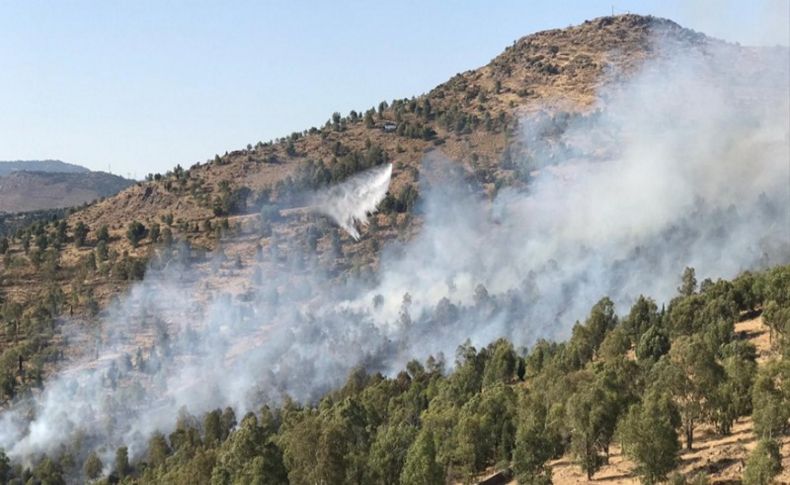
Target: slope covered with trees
[(644, 381)]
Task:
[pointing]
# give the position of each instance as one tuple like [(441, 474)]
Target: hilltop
[(40, 166)]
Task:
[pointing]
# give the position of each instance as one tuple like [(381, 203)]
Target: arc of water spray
[(350, 202)]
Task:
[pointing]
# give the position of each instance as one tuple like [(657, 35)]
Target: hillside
[(596, 160), (28, 190), (476, 119), (6, 167), (548, 78)]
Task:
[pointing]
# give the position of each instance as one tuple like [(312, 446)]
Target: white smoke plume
[(685, 164), (349, 202)]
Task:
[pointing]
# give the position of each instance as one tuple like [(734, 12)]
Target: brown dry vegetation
[(547, 72)]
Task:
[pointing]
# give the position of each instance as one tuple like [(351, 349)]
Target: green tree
[(298, 440), (647, 434), (691, 374), (501, 366), (155, 232), (485, 430), (290, 148), (227, 421), (764, 463), (332, 450), (684, 315), (212, 427), (771, 399), (652, 344), (122, 461), (421, 467), (80, 234), (615, 345), (167, 237), (5, 467), (48, 472), (688, 282), (249, 456), (733, 395), (103, 234), (92, 466), (580, 349), (602, 319), (42, 241), (778, 321), (135, 232), (102, 252), (643, 316), (388, 452), (158, 450), (534, 442), (591, 417)]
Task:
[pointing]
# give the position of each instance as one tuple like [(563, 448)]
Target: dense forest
[(646, 380)]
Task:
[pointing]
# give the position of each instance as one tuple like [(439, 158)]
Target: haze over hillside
[(594, 161), (6, 167), (51, 184)]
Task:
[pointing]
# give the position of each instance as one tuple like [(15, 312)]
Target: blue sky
[(141, 86)]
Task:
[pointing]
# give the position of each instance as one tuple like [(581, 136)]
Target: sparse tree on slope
[(591, 415), (764, 464), (80, 234), (771, 399), (647, 433), (691, 374), (135, 232)]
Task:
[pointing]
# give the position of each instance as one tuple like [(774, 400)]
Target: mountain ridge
[(35, 190), (9, 166)]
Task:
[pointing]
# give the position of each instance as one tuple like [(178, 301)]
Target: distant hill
[(40, 166), (51, 184)]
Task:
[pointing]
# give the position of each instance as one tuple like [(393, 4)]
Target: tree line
[(646, 380)]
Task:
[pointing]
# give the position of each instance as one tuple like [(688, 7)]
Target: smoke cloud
[(684, 164)]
